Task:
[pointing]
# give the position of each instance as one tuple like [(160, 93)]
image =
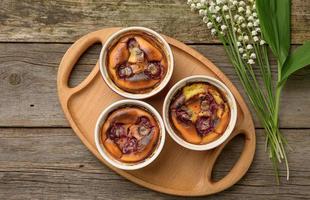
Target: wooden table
[(40, 156)]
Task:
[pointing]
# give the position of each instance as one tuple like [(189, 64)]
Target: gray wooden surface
[(40, 156)]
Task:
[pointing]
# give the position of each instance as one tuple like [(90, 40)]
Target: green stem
[(277, 105), (266, 102), (277, 97), (281, 139)]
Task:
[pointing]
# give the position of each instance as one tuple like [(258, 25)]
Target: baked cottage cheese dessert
[(199, 113), (136, 63), (130, 134)]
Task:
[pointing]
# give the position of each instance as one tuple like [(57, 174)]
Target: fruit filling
[(200, 113), (136, 63), (130, 134)]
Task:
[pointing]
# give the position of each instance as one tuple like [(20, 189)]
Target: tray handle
[(242, 164), (73, 54)]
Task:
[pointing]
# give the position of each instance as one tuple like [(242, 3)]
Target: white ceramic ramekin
[(114, 38), (106, 155), (230, 99)]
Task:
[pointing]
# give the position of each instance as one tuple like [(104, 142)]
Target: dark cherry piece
[(132, 43), (136, 54), (213, 107), (124, 71), (178, 102), (126, 142), (204, 125), (209, 97), (144, 120), (153, 70), (183, 114), (204, 105), (130, 146), (116, 131), (145, 126)]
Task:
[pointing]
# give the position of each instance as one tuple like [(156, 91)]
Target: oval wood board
[(177, 170)]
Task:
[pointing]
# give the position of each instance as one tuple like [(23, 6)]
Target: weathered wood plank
[(65, 21), (52, 163), (29, 96)]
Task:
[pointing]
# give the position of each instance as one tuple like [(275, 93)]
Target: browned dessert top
[(130, 134), (136, 63), (199, 113)]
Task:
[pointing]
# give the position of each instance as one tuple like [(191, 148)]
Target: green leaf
[(274, 17), (297, 60)]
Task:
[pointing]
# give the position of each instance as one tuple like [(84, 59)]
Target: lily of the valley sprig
[(219, 16), (242, 29)]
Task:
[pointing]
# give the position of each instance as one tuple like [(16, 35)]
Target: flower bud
[(262, 42), (205, 19), (193, 7), (219, 19), (251, 62), (255, 23), (240, 19), (240, 9), (201, 12), (248, 12), (213, 31), (225, 8), (255, 38), (198, 5), (209, 25), (241, 3), (253, 55)]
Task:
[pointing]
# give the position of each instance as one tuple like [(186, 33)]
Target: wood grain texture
[(66, 21), (28, 84), (177, 170), (52, 163)]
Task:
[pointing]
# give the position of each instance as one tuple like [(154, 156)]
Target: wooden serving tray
[(177, 170)]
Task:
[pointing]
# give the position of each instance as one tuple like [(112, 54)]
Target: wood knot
[(14, 79)]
